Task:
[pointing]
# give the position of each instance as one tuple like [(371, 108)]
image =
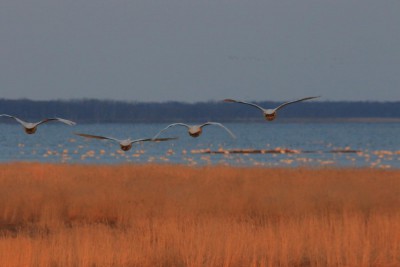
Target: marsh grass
[(164, 215)]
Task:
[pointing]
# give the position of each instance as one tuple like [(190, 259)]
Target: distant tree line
[(96, 111)]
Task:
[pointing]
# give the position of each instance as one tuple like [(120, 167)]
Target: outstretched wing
[(164, 139), (98, 137), (57, 119), (242, 102), (153, 140), (15, 118), (295, 101), (169, 126), (220, 125)]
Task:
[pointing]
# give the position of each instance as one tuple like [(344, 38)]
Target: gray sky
[(197, 50)]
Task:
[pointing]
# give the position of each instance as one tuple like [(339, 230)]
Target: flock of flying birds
[(193, 130)]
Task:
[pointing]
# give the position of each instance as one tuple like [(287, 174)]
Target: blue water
[(378, 144)]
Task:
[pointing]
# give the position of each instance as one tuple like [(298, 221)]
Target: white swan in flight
[(270, 114), (125, 144), (31, 127), (195, 130)]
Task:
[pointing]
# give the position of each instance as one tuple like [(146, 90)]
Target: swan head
[(195, 131), (30, 130), (270, 115)]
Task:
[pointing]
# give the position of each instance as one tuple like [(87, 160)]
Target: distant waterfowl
[(270, 114), (195, 130), (30, 127), (125, 144)]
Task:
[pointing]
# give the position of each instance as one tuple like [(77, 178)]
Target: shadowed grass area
[(168, 215)]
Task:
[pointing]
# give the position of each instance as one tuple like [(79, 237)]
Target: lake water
[(315, 144)]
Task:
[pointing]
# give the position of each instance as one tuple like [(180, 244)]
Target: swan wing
[(15, 118), (220, 125), (98, 137), (152, 140), (243, 102), (169, 126), (57, 119), (295, 101)]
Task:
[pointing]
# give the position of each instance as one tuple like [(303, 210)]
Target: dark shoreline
[(102, 111)]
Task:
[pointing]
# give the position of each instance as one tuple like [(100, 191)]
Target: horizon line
[(187, 102)]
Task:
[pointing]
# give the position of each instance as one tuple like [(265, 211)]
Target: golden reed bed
[(163, 215)]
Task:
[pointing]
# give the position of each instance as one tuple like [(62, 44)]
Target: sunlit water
[(316, 144)]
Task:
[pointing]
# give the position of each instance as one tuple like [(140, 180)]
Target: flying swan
[(270, 114), (195, 130), (30, 127), (125, 144)]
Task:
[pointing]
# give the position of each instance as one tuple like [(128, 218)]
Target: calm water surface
[(316, 144)]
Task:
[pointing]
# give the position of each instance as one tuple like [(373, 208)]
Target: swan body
[(195, 131), (31, 127)]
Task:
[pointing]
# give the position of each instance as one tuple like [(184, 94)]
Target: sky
[(200, 50)]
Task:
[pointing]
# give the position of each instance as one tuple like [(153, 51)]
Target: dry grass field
[(165, 215)]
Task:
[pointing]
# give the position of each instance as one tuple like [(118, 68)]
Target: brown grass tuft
[(154, 215)]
